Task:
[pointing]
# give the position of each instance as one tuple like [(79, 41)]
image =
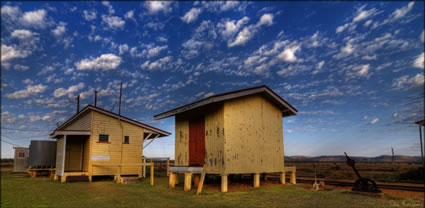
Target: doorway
[(196, 141)]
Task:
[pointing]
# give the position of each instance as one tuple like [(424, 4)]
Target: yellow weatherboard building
[(97, 142)]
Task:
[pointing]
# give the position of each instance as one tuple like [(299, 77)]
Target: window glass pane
[(126, 139), (103, 138), (21, 154)]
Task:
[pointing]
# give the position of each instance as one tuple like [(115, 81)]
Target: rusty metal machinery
[(362, 184)]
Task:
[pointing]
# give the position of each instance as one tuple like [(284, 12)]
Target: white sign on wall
[(100, 157)]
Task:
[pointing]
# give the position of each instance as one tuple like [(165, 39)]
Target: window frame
[(128, 140), (103, 135)]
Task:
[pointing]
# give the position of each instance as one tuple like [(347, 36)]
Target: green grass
[(18, 191)]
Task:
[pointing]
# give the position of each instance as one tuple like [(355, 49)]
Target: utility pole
[(392, 151)]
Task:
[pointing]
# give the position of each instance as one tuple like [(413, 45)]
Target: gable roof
[(286, 108), (88, 108)]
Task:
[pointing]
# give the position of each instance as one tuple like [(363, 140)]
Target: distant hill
[(341, 158)]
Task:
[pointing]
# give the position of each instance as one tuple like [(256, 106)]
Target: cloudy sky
[(354, 70)]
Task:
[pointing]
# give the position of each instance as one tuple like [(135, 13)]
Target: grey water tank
[(42, 154)]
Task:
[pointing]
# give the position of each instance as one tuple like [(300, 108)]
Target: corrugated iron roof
[(286, 108)]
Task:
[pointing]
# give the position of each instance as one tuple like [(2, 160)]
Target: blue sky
[(354, 70)]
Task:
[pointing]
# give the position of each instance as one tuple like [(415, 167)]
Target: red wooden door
[(196, 141)]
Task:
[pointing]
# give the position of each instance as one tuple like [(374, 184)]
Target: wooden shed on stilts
[(238, 132)]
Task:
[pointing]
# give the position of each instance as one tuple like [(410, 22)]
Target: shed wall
[(59, 155), (20, 164), (106, 157), (181, 157), (254, 137), (214, 140)]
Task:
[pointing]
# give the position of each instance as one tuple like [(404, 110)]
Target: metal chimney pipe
[(95, 98), (119, 106), (78, 103)]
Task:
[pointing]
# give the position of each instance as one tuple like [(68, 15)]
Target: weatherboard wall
[(106, 156), (254, 136), (214, 139), (82, 123)]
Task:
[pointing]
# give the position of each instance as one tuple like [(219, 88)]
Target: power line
[(11, 143), (35, 136), (26, 129)]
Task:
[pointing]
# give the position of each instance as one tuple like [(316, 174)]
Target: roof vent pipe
[(78, 103), (95, 98)]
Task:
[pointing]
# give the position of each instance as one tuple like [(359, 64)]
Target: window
[(103, 138), (126, 140), (21, 154)]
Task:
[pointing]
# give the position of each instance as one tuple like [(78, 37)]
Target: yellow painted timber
[(181, 142), (201, 183), (282, 178), (152, 176), (82, 123), (131, 153), (187, 181), (172, 180), (256, 180), (224, 183), (253, 136), (196, 180)]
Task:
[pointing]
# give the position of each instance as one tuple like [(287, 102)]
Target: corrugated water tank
[(42, 154)]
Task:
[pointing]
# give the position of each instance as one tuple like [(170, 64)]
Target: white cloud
[(113, 22), (419, 61), (363, 14), (320, 64), (367, 57), (288, 54), (130, 15), (36, 19), (374, 121), (363, 70), (318, 67), (122, 49), (209, 94), (266, 19), (105, 62), (89, 15), (191, 15), (249, 31), (110, 8), (22, 34), (342, 28), (60, 29), (19, 67), (365, 118), (156, 50), (367, 23), (157, 65), (12, 52), (422, 36), (10, 12), (348, 49), (61, 91), (399, 13), (395, 115), (243, 37), (404, 82), (28, 91), (154, 7), (228, 28)]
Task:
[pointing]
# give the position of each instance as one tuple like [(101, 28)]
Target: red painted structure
[(196, 141)]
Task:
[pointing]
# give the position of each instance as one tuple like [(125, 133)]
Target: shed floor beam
[(256, 180), (152, 175), (224, 183)]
